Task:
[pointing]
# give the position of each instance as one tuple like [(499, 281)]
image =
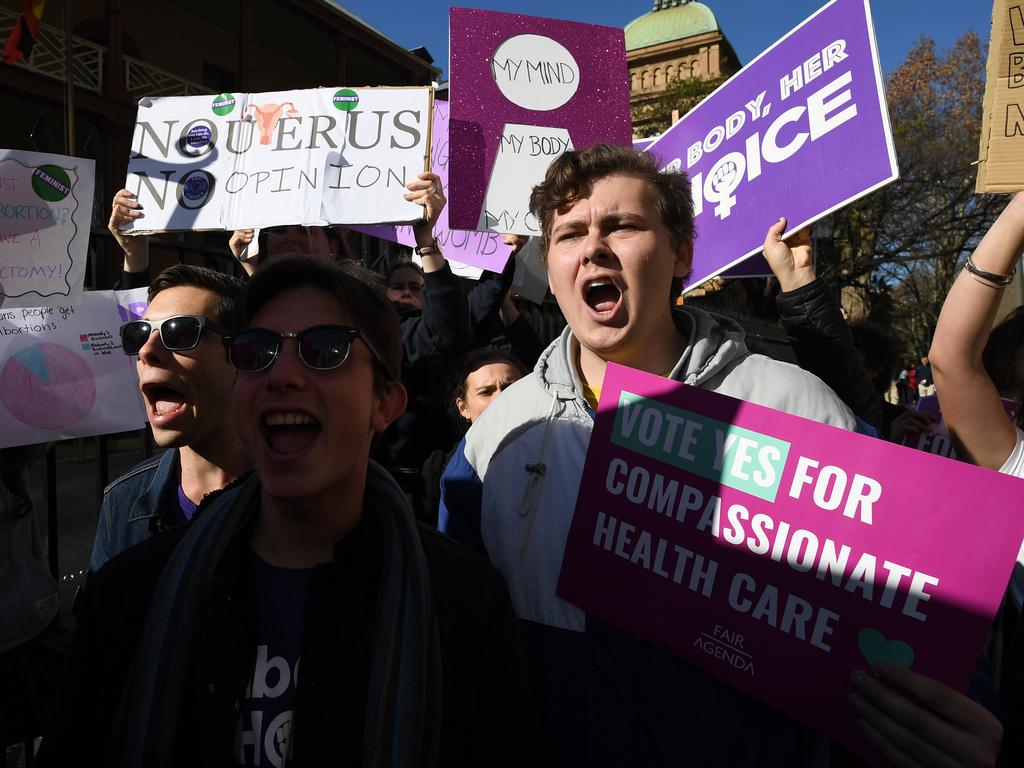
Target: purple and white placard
[(476, 249), (799, 132), (510, 73)]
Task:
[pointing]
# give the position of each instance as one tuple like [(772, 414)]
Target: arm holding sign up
[(971, 405), (125, 208)]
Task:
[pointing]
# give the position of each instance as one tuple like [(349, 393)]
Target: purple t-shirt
[(263, 729), (185, 504)]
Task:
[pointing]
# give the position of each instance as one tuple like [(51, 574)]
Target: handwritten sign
[(62, 372), (780, 554), (484, 250), (525, 89), (45, 215), (310, 157), (799, 132), (1001, 156)]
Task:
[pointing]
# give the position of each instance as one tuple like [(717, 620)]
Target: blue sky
[(750, 25)]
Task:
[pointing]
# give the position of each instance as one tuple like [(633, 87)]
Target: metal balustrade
[(47, 59)]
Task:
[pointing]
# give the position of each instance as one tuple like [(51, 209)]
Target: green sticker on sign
[(346, 99), (51, 183), (223, 104)]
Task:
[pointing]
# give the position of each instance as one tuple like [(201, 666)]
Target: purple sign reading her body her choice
[(480, 249), (511, 72), (799, 132), (780, 554)]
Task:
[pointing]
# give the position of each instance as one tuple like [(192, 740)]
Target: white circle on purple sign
[(535, 72)]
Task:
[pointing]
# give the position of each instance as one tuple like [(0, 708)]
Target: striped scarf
[(403, 712)]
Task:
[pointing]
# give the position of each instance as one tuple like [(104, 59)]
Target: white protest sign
[(531, 278), (309, 157), (62, 371), (45, 213), (524, 154)]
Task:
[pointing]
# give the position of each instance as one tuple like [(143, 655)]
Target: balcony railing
[(47, 59)]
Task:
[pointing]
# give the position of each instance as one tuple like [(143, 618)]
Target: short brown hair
[(227, 288), (359, 291), (571, 176)]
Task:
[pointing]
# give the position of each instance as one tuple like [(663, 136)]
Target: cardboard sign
[(1001, 155), (62, 371), (799, 132), (476, 249), (779, 554), (45, 215), (310, 157), (525, 89)]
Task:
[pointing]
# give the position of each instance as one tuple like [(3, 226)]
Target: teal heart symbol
[(876, 648)]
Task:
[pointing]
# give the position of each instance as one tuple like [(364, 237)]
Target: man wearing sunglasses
[(186, 382), (311, 596)]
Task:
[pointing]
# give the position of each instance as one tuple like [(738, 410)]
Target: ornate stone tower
[(677, 39)]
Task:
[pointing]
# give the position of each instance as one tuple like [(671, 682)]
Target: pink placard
[(938, 441), (597, 111), (780, 554), (480, 249)]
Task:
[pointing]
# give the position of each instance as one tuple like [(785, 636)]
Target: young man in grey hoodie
[(617, 238)]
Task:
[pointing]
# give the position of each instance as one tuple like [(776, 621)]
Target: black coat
[(487, 717), (823, 345)]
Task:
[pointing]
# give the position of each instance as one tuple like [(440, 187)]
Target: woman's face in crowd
[(406, 286), (483, 385), (308, 431)]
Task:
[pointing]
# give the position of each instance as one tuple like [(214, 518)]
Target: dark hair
[(469, 363), (572, 175), (402, 265), (226, 287), (279, 242), (359, 292), (1000, 356), (877, 351)]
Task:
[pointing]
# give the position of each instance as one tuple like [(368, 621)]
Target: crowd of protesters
[(370, 478)]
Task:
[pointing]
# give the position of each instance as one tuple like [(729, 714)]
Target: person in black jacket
[(307, 619)]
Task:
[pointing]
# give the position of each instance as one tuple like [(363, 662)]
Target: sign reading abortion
[(780, 554), (479, 249), (45, 214), (1001, 157), (799, 132), (524, 90), (311, 157), (62, 372)]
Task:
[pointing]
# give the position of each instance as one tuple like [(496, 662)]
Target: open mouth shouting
[(163, 402), (602, 296), (289, 433)]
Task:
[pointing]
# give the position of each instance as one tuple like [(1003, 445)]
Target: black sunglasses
[(178, 333), (321, 347)]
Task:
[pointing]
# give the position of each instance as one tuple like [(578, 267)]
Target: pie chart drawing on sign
[(47, 386)]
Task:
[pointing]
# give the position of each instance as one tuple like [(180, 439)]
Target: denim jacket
[(136, 505)]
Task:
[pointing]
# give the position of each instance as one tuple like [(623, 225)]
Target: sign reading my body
[(742, 459), (310, 133)]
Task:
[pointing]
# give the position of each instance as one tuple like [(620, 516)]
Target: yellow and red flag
[(19, 44)]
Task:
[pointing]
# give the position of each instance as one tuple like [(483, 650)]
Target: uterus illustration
[(266, 117)]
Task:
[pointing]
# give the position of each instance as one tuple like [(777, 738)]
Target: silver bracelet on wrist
[(995, 281)]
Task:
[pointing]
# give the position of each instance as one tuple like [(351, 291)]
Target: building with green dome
[(677, 39)]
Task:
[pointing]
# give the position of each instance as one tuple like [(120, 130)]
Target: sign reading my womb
[(780, 554), (478, 249), (524, 90), (799, 132), (313, 157)]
